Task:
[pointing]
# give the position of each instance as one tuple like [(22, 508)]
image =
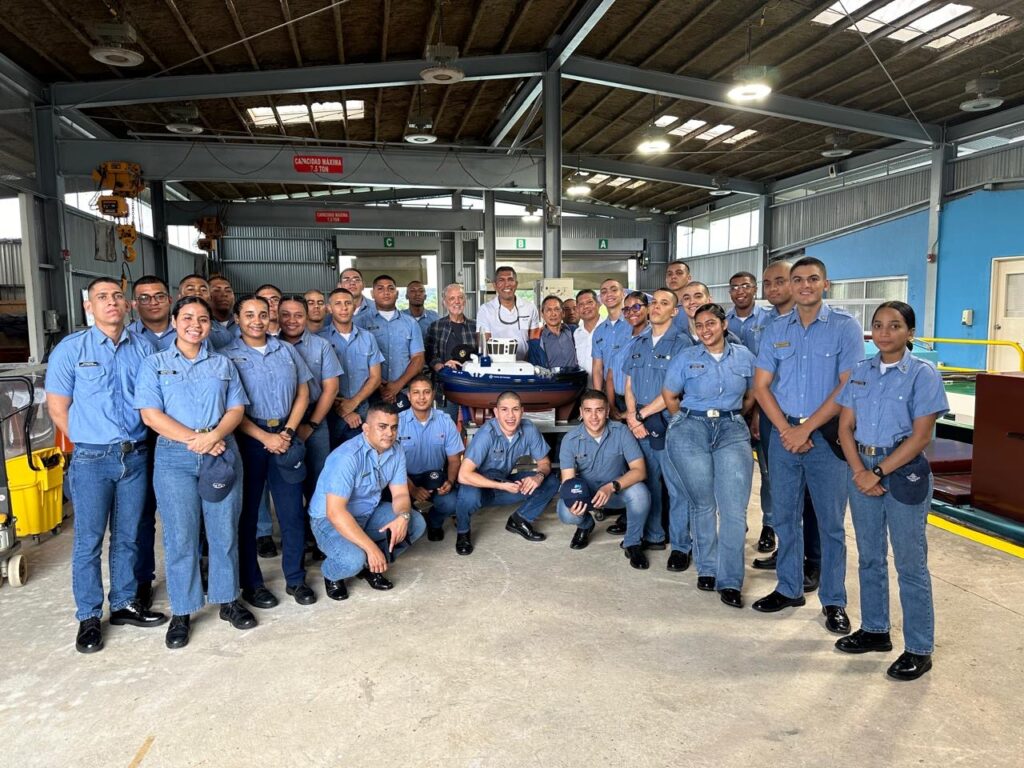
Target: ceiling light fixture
[(717, 190), (653, 140), (116, 46), (983, 87), (182, 118), (420, 124), (752, 80), (531, 215), (839, 146), (442, 69)]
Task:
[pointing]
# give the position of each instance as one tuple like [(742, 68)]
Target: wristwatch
[(878, 471), (405, 516), (616, 485), (314, 424), (288, 431)]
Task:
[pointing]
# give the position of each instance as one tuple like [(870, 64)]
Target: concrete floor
[(520, 655)]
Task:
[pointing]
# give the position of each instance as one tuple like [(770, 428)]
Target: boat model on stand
[(493, 368)]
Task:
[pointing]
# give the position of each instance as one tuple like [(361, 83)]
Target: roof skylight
[(618, 181), (665, 120), (967, 30), (715, 131), (636, 184), (293, 114), (746, 134), (597, 178), (687, 128)]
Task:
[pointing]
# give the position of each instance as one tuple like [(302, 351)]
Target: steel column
[(552, 216), (490, 252), (31, 254), (940, 156)]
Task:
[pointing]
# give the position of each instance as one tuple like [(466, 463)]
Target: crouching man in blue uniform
[(359, 535), (608, 459), (487, 477)]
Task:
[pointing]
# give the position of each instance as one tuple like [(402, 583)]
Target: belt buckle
[(273, 422), (713, 413), (204, 430), (127, 447), (871, 450), (802, 420)]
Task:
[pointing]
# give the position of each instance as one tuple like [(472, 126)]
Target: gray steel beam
[(776, 105), (667, 175), (515, 109), (31, 258), (245, 163), (552, 212), (581, 206), (940, 157), (337, 77), (158, 205), (993, 121), (21, 80), (314, 215), (490, 249)]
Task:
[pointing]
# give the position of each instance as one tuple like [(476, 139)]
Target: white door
[(1007, 313)]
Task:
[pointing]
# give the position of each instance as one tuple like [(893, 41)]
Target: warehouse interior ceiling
[(890, 70)]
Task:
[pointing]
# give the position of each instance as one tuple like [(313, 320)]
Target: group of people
[(208, 406)]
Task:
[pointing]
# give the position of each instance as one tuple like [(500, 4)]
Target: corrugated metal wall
[(295, 260), (827, 214), (716, 269), (10, 263), (976, 170)]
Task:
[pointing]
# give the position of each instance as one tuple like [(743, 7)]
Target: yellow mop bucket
[(37, 498)]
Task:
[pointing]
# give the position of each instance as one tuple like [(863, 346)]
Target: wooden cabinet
[(998, 473)]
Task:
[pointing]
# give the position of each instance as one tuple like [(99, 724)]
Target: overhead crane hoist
[(212, 229), (123, 181)]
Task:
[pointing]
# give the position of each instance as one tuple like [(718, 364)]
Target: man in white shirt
[(508, 317), (587, 309)]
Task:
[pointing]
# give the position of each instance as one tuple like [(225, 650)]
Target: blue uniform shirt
[(559, 349), (357, 473), (398, 339), (161, 342), (195, 393), (322, 361), (357, 355), (222, 335), (428, 446), (806, 362), (754, 328), (599, 461), (738, 325), (270, 379), (495, 454), (617, 361), (100, 380), (608, 339), (425, 320), (647, 363), (886, 404), (707, 383)]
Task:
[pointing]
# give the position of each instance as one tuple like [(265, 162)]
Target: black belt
[(124, 448), (711, 413), (875, 450)]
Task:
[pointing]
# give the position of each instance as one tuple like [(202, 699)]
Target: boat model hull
[(539, 392)]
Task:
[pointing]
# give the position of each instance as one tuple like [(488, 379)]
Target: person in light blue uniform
[(743, 312), (431, 443), (276, 379), (890, 404), (488, 475), (193, 399), (608, 458), (708, 389), (358, 533), (398, 337), (90, 386), (361, 362), (608, 339), (645, 367), (804, 360), (416, 295)]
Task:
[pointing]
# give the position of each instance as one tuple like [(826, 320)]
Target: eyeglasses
[(146, 299), (634, 308), (741, 287)]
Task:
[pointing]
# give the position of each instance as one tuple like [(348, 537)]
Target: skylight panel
[(740, 136), (715, 131), (636, 184), (665, 120), (618, 181), (293, 114), (597, 178), (887, 14), (967, 30), (687, 128), (943, 15), (837, 11)]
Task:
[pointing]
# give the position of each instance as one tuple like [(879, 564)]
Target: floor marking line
[(977, 536), (137, 760)]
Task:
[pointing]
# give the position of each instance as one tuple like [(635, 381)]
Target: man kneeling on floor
[(602, 466), (359, 535), (486, 476)]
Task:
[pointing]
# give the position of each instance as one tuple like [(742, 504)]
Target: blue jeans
[(261, 471), (636, 500), (443, 507), (265, 522), (339, 430), (761, 446), (175, 480), (345, 559), (530, 507), (108, 488), (718, 476), (318, 448), (662, 471), (811, 543), (826, 476), (145, 558), (906, 524)]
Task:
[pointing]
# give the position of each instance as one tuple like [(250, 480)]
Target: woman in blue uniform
[(709, 444), (276, 379), (193, 399), (890, 405)]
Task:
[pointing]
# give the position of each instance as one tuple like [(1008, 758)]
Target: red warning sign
[(332, 217), (317, 164)]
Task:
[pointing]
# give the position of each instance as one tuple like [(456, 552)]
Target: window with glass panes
[(862, 297)]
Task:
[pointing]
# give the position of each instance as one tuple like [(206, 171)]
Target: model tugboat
[(485, 376)]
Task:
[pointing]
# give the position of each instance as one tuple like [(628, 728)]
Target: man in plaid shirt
[(445, 334)]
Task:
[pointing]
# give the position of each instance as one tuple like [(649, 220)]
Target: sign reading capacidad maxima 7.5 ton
[(317, 164)]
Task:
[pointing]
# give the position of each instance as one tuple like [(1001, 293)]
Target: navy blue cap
[(575, 490), (217, 476), (656, 427), (402, 402), (292, 464), (430, 481)]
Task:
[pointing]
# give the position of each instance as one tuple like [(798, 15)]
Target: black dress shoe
[(265, 546), (766, 542), (766, 563), (260, 597), (516, 524), (909, 666), (706, 583), (302, 593), (654, 544), (637, 558), (178, 631), (812, 577), (678, 561), (137, 616), (336, 590), (836, 619), (618, 527), (731, 597), (435, 534), (237, 615), (864, 642), (776, 601), (90, 638), (375, 580), (463, 544), (144, 594), (580, 539)]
